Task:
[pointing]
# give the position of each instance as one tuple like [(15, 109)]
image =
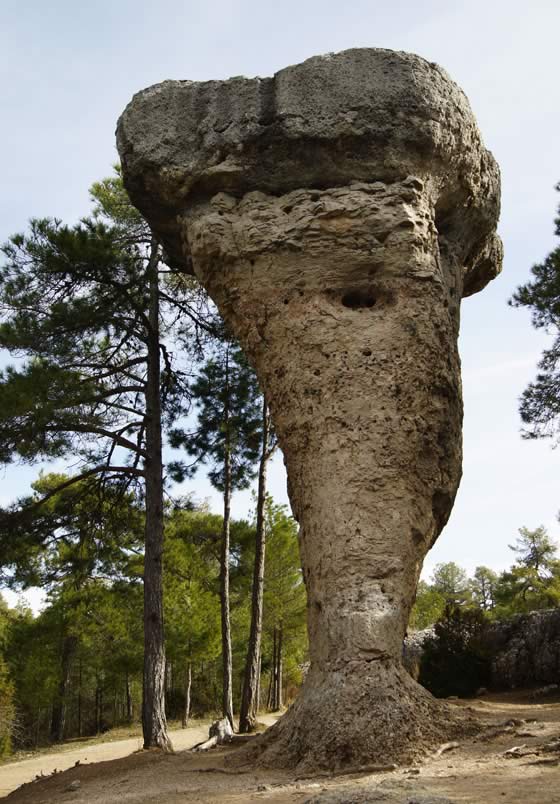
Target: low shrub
[(456, 661)]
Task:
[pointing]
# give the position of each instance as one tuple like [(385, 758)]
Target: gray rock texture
[(337, 214), (413, 649), (361, 115), (525, 650)]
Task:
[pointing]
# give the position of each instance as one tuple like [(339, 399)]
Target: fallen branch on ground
[(220, 732)]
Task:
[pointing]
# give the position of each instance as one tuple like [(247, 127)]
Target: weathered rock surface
[(361, 115), (525, 650), (413, 649), (337, 214)]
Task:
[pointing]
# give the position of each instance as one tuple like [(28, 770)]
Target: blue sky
[(68, 69)]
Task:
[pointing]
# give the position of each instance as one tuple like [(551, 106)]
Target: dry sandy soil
[(45, 764), (478, 770)]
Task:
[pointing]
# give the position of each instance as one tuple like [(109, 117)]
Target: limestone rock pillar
[(337, 214)]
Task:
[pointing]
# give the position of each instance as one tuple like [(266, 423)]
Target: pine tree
[(429, 606), (451, 581), (85, 309), (64, 546), (483, 587), (7, 707), (540, 402), (251, 678), (536, 550), (533, 582), (284, 602), (227, 437), (192, 607)]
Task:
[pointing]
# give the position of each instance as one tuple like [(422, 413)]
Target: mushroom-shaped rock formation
[(337, 213)]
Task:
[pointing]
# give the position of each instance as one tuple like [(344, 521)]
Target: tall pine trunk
[(80, 698), (128, 699), (187, 706), (58, 720), (227, 694), (258, 697), (97, 703), (278, 674), (154, 724), (272, 680), (249, 703)]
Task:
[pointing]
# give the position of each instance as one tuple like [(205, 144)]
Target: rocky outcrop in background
[(525, 650), (413, 648)]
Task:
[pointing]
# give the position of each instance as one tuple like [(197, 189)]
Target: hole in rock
[(417, 536), (358, 299), (442, 502), (366, 352)]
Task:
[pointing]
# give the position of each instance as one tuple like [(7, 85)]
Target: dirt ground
[(77, 753), (478, 770)]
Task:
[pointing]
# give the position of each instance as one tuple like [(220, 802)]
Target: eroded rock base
[(366, 714)]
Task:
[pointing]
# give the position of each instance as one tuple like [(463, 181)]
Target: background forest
[(84, 651), (122, 372)]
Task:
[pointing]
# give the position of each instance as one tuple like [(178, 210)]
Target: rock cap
[(360, 115)]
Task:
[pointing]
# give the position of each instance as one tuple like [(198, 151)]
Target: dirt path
[(478, 771), (14, 774)]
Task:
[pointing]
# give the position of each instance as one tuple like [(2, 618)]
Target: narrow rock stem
[(352, 324)]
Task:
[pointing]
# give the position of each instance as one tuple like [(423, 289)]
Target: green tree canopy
[(7, 706), (536, 550), (74, 302), (91, 313), (428, 607), (227, 436), (533, 582), (451, 581), (75, 535), (284, 592), (483, 587), (540, 402)]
